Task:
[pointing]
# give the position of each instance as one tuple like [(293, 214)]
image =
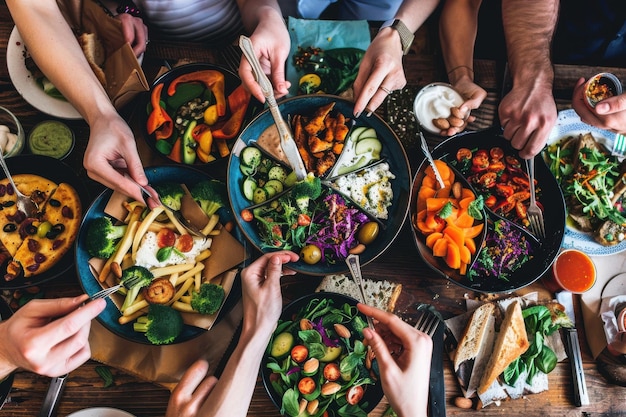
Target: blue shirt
[(376, 10)]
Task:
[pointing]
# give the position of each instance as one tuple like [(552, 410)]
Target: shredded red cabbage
[(341, 224), (322, 331)]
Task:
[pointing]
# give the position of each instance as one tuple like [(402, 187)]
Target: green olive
[(43, 229), (368, 232), (311, 254)]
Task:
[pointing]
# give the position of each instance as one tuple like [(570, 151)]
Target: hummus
[(51, 138)]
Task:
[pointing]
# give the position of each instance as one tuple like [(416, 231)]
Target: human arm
[(270, 38), (381, 65), (111, 142), (197, 395), (457, 32), (609, 114), (134, 29), (404, 376), (528, 112), (48, 337)]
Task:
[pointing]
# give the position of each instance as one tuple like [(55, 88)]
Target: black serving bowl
[(544, 251), (373, 393)]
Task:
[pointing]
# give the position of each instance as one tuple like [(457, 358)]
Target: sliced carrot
[(456, 234), (431, 238), (440, 247), (465, 202), (463, 268), (429, 182), (453, 256), (432, 223), (435, 204), (466, 192), (466, 255), (474, 231), (470, 244), (464, 220)]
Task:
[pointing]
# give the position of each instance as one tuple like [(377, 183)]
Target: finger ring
[(385, 89)]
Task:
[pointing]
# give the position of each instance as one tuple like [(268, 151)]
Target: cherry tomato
[(304, 219), (165, 237), (462, 154), (504, 190), (332, 372), (299, 353), (491, 201), (496, 153), (306, 385), (488, 179), (311, 254), (355, 394), (480, 160), (247, 215), (512, 162), (184, 243), (496, 166)]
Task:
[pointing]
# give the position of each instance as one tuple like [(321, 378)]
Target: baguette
[(381, 294), (94, 52), (511, 342), (474, 336)]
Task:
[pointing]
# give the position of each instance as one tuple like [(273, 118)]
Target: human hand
[(380, 72), (473, 95), (527, 115), (609, 114), (135, 32), (404, 355), (192, 391), (262, 298), (271, 45), (48, 337), (110, 152)]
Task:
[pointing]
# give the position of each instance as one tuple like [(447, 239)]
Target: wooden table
[(399, 263)]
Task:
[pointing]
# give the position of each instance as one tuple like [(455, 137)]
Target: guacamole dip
[(51, 138)]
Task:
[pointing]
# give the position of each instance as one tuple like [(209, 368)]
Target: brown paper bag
[(124, 75)]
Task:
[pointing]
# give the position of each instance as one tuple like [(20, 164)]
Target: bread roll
[(511, 342), (381, 294)]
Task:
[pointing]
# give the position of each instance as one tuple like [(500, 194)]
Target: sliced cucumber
[(356, 132), (245, 169), (269, 191), (291, 179), (369, 132), (368, 145), (275, 184), (249, 185), (259, 195), (277, 173), (251, 156)]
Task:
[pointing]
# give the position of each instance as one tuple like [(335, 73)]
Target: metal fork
[(427, 323), (128, 284), (534, 213), (619, 146)]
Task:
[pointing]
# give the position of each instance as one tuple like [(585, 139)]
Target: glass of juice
[(573, 271)]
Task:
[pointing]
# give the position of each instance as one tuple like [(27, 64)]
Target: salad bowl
[(391, 152), (498, 228)]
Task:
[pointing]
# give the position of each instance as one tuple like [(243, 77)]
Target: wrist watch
[(406, 36)]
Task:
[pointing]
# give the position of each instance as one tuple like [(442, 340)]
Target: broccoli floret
[(134, 278), (103, 237), (211, 195), (162, 325), (309, 188), (170, 193), (209, 299)]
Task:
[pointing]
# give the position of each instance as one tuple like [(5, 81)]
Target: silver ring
[(386, 90)]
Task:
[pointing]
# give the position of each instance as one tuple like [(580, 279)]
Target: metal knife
[(286, 138), (437, 388), (53, 395), (581, 396)]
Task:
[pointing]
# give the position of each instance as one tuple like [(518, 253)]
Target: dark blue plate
[(373, 393), (551, 198), (110, 315), (58, 172), (392, 152)]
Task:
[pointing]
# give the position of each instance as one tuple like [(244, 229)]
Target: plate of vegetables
[(317, 356), (507, 256), (353, 200), (195, 112), (593, 193), (149, 284)]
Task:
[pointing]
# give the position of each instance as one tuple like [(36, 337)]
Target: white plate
[(569, 124), (101, 412), (27, 86)]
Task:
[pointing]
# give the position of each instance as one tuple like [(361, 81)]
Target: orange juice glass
[(574, 271)]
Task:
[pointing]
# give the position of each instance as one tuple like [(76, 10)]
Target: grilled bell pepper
[(159, 122), (214, 80), (238, 102)]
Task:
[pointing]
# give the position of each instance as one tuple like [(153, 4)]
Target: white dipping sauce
[(434, 101), (7, 139)]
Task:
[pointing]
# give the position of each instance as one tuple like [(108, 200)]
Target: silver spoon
[(24, 203)]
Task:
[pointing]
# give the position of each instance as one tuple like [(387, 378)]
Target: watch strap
[(406, 36)]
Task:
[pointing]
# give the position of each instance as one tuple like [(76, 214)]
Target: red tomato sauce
[(574, 271)]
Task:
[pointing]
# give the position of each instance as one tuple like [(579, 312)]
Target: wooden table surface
[(399, 263)]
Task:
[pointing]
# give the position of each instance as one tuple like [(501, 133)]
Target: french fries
[(186, 277)]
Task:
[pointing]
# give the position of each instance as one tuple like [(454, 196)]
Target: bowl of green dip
[(51, 138)]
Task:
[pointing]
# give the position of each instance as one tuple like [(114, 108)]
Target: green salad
[(318, 362)]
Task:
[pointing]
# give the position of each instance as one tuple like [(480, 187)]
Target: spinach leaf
[(546, 361), (290, 403)]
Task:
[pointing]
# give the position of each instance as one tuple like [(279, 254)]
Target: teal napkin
[(343, 44)]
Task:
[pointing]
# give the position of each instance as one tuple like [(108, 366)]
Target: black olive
[(40, 257), (54, 202), (59, 227), (10, 227), (9, 203), (31, 229)]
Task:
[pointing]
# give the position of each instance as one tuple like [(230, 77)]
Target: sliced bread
[(94, 52), (381, 294), (511, 342), (475, 331)]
